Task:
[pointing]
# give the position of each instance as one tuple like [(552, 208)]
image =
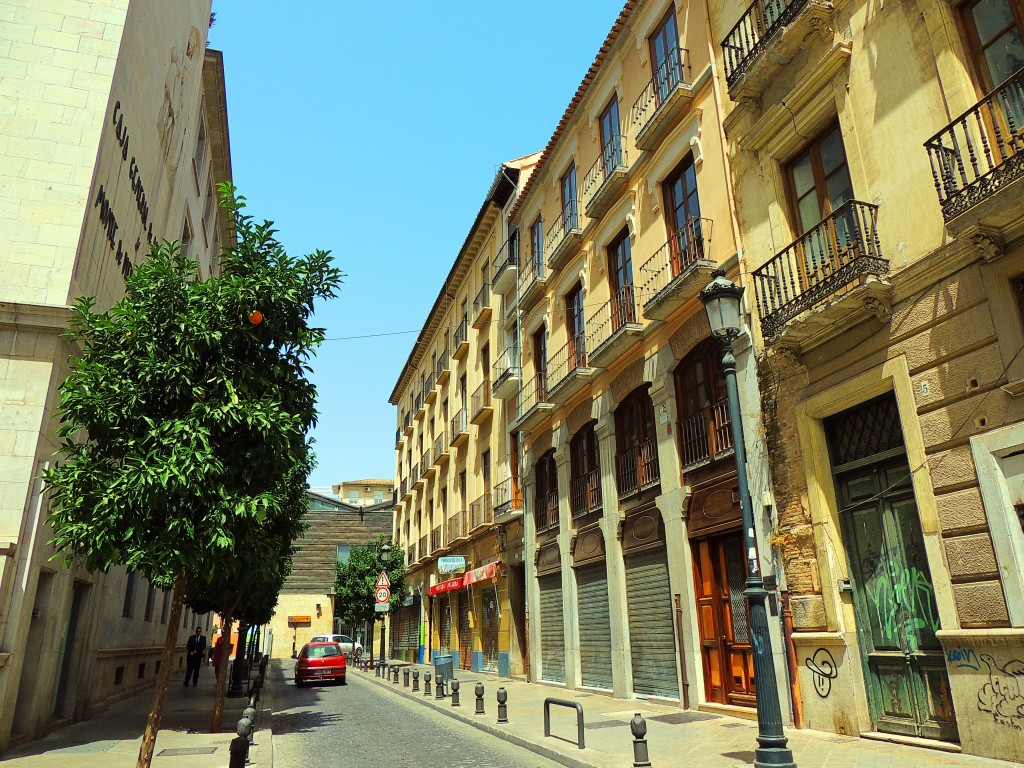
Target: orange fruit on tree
[(255, 317)]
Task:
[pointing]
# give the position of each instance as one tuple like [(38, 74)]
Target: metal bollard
[(440, 688), (502, 705), (455, 693), (415, 681), (426, 683), (641, 757), (479, 690), (249, 713), (239, 752), (405, 677), (395, 681), (376, 671)]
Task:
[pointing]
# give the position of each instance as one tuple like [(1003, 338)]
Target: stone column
[(570, 602)]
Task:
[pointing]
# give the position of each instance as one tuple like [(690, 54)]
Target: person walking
[(195, 651)]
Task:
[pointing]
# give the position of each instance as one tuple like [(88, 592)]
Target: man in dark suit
[(195, 650)]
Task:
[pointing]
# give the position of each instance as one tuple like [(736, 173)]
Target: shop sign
[(447, 586), (483, 573), (299, 619), (451, 564)]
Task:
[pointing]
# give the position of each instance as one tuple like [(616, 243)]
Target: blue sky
[(374, 131)]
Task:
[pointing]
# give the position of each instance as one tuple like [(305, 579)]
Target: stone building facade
[(113, 131)]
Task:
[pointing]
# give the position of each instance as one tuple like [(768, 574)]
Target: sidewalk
[(112, 739), (675, 736)]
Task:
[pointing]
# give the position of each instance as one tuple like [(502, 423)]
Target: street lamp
[(385, 551), (722, 301)]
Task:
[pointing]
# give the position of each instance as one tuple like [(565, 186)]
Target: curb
[(532, 746), (266, 716)]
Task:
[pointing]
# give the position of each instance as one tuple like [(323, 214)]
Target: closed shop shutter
[(465, 634), (552, 633), (489, 629), (445, 618), (651, 633), (595, 627)]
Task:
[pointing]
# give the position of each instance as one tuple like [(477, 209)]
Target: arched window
[(584, 472), (636, 459), (705, 432), (546, 499)]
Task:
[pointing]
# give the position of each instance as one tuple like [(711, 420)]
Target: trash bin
[(444, 669)]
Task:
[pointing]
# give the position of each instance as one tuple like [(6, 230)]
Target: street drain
[(678, 718), (179, 751)]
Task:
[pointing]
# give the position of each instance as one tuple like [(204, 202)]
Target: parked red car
[(320, 661)]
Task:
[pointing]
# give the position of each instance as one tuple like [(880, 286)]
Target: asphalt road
[(362, 726)]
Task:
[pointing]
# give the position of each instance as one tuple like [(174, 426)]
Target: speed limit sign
[(383, 594)]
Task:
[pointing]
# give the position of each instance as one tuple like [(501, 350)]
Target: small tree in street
[(355, 580), (185, 411)]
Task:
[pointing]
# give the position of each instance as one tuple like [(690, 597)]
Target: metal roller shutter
[(489, 629), (595, 627), (465, 634), (445, 609), (651, 634), (552, 632)]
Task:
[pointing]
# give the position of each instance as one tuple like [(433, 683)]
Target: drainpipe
[(794, 685)]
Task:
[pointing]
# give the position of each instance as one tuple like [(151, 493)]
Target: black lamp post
[(722, 301), (385, 550)]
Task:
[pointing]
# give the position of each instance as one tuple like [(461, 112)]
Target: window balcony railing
[(480, 402), (610, 167), (424, 547), (481, 512), (456, 528), (407, 421), (547, 511), (458, 426), (533, 392), (440, 445), (981, 151), (505, 266), (429, 393), (507, 497), (567, 359), (420, 407), (585, 493), (442, 367), (482, 306), (410, 555), (761, 22), (436, 539), (414, 473), (405, 485), (398, 436), (506, 373), (839, 253), (637, 468), (669, 75), (706, 435), (610, 319), (532, 275), (671, 264), (426, 462), (460, 339), (558, 237)]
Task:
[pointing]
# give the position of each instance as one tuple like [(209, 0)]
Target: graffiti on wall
[(1002, 696), (903, 600), (823, 671), (963, 658)]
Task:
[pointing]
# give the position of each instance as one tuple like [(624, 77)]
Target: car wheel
[(343, 681), (300, 683)]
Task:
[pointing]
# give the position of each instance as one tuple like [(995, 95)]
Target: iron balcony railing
[(547, 510), (762, 20), (684, 248), (585, 493), (458, 423), (667, 75), (566, 224), (424, 546), (455, 526), (507, 256), (980, 152), (428, 385), (398, 436), (637, 468), (407, 421), (405, 485), (706, 434), (481, 512), (440, 444), (482, 301), (531, 269), (461, 333), (419, 401), (410, 554), (569, 357), (426, 462), (506, 365), (533, 391), (613, 158), (619, 310), (481, 398), (836, 254), (442, 362), (436, 539), (507, 497), (414, 473)]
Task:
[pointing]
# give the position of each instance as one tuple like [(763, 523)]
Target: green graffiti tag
[(904, 601)]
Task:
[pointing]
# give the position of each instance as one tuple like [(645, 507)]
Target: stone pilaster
[(570, 602)]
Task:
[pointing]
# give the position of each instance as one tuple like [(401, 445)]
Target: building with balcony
[(876, 162), (365, 492), (632, 525), (114, 136), (458, 516)]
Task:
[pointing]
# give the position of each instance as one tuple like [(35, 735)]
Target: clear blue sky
[(374, 130)]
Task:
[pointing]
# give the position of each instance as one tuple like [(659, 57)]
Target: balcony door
[(704, 428), (575, 327), (636, 442), (540, 363), (995, 38), (682, 207), (569, 219), (620, 270), (611, 138), (665, 61)]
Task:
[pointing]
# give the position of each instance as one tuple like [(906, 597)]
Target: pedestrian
[(195, 650), (218, 655)]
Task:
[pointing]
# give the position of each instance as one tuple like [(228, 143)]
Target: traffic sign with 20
[(383, 594)]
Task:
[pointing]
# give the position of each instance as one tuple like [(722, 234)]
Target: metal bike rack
[(565, 703)]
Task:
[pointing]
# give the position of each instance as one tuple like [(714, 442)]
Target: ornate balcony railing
[(461, 333), (436, 539), (482, 302), (507, 497), (619, 310), (613, 158), (566, 224), (668, 75), (458, 424), (533, 391), (981, 151), (568, 357), (637, 468), (547, 510), (480, 399), (442, 363), (684, 249), (705, 435), (836, 254), (585, 493), (762, 20), (481, 512)]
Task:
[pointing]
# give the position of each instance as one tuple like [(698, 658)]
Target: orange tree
[(184, 412)]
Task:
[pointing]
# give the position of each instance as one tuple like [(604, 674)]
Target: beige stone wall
[(286, 634)]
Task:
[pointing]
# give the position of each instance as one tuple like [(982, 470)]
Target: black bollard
[(440, 688), (426, 683), (238, 751), (479, 699), (455, 693), (376, 671), (405, 677), (641, 757), (502, 705), (415, 681), (249, 713), (395, 681)]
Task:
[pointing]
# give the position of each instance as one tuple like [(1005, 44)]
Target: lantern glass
[(722, 301)]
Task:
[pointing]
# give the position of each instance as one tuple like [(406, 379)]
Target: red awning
[(447, 586), (483, 573)]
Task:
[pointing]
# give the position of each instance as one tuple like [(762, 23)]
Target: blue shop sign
[(451, 564)]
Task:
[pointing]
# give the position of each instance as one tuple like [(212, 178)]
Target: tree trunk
[(222, 673), (238, 669), (156, 710), (372, 657)]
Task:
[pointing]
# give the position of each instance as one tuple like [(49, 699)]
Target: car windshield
[(322, 651)]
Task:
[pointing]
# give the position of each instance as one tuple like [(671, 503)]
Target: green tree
[(355, 580), (185, 410)]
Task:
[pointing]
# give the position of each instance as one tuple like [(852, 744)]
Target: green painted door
[(894, 600)]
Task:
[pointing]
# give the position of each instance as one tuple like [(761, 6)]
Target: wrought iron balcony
[(980, 152), (416, 476), (456, 527), (442, 367), (677, 271), (585, 493), (407, 423), (563, 235), (506, 374), (426, 463), (441, 448), (706, 435), (404, 486), (606, 178), (482, 307), (480, 402), (613, 326), (410, 555), (424, 547), (437, 539), (662, 100), (505, 267), (458, 428), (637, 469), (398, 437), (507, 498), (831, 259), (420, 406), (567, 369), (429, 391), (481, 512), (460, 340), (532, 277), (533, 402), (547, 511)]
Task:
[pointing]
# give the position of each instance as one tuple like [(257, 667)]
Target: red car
[(320, 661)]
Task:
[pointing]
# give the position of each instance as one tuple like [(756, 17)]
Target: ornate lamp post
[(722, 301), (385, 550)]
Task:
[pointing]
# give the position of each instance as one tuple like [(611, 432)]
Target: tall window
[(665, 56), (585, 472), (165, 607), (537, 246), (485, 464), (462, 488), (569, 219), (704, 427), (540, 358), (996, 39), (682, 208), (546, 501), (620, 268), (636, 442), (611, 139), (150, 602), (575, 326), (128, 608), (819, 179)]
